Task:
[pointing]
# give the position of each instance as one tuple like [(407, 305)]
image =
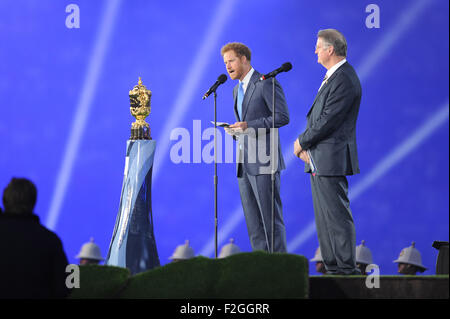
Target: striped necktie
[(240, 99), (325, 78)]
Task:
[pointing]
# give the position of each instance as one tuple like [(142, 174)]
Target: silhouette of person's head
[(19, 197)]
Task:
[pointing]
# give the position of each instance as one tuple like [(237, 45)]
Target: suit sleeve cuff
[(303, 146)]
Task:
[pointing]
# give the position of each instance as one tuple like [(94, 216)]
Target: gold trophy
[(140, 109)]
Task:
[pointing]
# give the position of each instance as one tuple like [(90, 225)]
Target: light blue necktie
[(240, 99)]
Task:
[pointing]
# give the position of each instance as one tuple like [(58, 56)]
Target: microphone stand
[(272, 162), (215, 175)]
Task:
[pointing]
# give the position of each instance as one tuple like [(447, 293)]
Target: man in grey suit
[(256, 139), (328, 147)]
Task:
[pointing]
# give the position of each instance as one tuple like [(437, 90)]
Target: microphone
[(220, 80), (284, 68)]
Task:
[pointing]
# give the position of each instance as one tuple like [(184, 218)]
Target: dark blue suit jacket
[(257, 112), (331, 129)]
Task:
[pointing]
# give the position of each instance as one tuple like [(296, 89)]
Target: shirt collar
[(335, 67), (247, 78)]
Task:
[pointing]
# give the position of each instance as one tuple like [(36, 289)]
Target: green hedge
[(191, 278), (262, 275), (100, 282), (245, 275)]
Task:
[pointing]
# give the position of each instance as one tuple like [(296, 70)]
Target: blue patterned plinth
[(133, 243)]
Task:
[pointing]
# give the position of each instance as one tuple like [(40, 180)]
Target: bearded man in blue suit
[(259, 152)]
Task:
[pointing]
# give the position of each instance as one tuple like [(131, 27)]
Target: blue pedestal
[(133, 244)]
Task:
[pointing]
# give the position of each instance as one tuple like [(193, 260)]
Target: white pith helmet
[(229, 249), (410, 255), (183, 252), (363, 254), (317, 256), (90, 251)]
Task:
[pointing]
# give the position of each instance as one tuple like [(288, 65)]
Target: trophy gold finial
[(140, 109)]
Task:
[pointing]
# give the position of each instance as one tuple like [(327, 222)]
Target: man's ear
[(244, 59), (331, 50)]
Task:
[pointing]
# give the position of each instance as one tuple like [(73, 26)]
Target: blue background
[(65, 119)]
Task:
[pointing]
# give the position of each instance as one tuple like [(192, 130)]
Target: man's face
[(320, 267), (406, 269), (362, 268), (235, 65), (87, 261), (323, 52)]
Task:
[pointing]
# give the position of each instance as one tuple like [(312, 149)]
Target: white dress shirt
[(332, 70), (246, 79)]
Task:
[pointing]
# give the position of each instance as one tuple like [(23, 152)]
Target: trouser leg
[(256, 196), (334, 222)]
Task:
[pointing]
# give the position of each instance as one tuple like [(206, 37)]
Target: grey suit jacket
[(254, 150), (330, 134)]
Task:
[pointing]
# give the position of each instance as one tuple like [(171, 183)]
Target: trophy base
[(133, 243), (140, 133)]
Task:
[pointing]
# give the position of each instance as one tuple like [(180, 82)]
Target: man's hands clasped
[(300, 153)]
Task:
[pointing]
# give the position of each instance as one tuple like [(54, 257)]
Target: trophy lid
[(140, 96)]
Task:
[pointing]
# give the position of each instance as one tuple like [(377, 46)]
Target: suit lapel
[(235, 93), (324, 86), (317, 95), (249, 92)]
